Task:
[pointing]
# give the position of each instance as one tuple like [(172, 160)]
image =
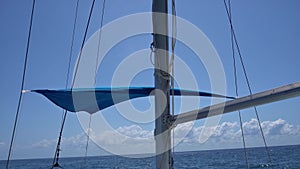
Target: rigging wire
[(236, 84), (75, 73), (174, 33), (56, 155), (234, 40), (82, 44), (87, 141), (22, 86), (97, 62), (99, 41)]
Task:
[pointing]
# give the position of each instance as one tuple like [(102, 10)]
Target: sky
[(268, 33)]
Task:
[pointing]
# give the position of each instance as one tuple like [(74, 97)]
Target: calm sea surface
[(284, 157)]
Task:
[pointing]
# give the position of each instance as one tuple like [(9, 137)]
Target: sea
[(282, 157)]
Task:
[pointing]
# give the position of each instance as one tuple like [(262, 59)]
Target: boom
[(269, 96)]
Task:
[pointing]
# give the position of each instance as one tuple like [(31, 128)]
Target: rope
[(87, 142), (174, 32), (56, 155), (234, 40), (97, 62), (236, 84), (99, 41), (22, 87), (82, 44)]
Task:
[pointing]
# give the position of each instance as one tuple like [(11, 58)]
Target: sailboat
[(92, 100)]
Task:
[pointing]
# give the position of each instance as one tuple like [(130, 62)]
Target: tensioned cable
[(82, 44), (79, 58), (174, 33), (22, 86), (97, 62), (236, 87), (99, 40), (87, 142), (234, 39), (56, 155)]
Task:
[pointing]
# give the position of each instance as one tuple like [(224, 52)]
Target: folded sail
[(92, 100)]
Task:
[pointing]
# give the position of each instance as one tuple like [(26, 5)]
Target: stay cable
[(22, 86)]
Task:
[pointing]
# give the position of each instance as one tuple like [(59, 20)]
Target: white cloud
[(222, 133), (270, 128), (74, 142), (2, 144), (227, 132), (132, 134), (44, 143), (135, 131), (251, 127), (183, 132), (135, 139), (280, 127)]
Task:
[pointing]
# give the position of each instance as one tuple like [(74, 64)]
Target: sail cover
[(92, 100)]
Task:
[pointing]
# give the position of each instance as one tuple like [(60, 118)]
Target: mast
[(162, 132)]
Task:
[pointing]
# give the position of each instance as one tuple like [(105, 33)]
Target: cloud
[(2, 144), (280, 127), (230, 131), (132, 134), (44, 143), (135, 131), (135, 139), (251, 127), (224, 133), (221, 133), (183, 133), (77, 141), (186, 133), (270, 128)]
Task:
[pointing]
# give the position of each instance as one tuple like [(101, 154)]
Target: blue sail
[(92, 100)]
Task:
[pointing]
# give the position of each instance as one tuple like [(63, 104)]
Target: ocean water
[(283, 157)]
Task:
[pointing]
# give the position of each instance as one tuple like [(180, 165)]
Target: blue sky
[(268, 33)]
